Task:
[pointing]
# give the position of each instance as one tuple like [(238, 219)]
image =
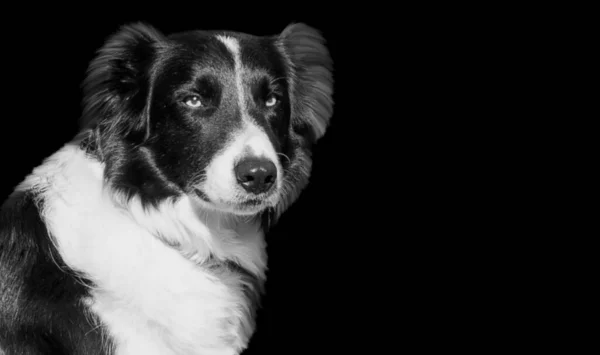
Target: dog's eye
[(193, 101), (271, 101)]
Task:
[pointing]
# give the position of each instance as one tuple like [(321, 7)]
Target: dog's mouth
[(250, 207), (253, 202), (244, 206)]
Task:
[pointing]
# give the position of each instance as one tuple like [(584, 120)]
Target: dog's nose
[(256, 175)]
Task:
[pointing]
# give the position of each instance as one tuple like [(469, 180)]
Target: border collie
[(145, 233)]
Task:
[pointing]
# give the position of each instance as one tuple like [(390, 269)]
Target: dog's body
[(145, 234)]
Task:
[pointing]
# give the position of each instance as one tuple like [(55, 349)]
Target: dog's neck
[(203, 235)]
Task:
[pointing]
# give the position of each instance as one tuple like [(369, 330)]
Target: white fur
[(233, 46), (221, 183), (152, 298)]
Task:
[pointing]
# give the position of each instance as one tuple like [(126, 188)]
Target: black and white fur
[(139, 236)]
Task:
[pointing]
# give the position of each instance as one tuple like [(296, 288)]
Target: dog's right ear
[(117, 86)]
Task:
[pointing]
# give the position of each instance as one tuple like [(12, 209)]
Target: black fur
[(40, 297)]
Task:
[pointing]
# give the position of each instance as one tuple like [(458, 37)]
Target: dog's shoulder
[(39, 296)]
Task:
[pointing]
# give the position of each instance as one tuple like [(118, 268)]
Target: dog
[(145, 233)]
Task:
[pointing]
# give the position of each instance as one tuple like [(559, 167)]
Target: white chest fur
[(151, 298)]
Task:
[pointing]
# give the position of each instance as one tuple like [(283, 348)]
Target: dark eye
[(271, 101), (193, 101)]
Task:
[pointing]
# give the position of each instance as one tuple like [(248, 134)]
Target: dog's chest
[(215, 316)]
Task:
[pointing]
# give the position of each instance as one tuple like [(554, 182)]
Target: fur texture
[(145, 234)]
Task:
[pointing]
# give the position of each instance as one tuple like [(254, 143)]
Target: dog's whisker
[(272, 82), (285, 156)]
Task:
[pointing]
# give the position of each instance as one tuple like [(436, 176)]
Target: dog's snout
[(256, 175)]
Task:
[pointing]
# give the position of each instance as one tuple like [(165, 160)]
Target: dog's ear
[(117, 87), (310, 76)]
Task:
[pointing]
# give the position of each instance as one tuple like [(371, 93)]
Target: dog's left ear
[(311, 77), (117, 88)]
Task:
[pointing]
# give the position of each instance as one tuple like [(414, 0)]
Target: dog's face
[(226, 118), (221, 111)]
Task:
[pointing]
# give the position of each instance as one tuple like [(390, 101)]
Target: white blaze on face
[(221, 185), (234, 47)]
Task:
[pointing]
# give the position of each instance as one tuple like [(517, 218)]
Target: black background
[(404, 237), (318, 251)]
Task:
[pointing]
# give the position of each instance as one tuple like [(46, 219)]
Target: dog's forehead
[(224, 49)]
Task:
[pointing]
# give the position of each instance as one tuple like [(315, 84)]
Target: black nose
[(256, 175)]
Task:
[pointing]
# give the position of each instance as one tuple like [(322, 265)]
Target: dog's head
[(225, 118)]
